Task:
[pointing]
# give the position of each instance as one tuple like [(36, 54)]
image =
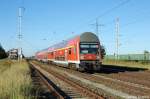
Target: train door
[(75, 53), (69, 54), (66, 55), (72, 54)]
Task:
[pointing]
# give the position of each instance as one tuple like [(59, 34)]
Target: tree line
[(3, 54)]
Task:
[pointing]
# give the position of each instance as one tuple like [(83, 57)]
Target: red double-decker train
[(81, 52)]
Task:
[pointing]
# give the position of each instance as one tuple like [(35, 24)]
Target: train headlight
[(97, 57), (81, 57)]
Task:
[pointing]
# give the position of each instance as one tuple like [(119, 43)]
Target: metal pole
[(20, 32), (117, 38), (97, 25)]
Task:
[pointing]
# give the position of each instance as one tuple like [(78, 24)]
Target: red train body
[(81, 52)]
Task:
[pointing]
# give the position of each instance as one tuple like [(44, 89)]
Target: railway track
[(138, 78), (50, 86), (130, 88), (71, 88), (122, 81)]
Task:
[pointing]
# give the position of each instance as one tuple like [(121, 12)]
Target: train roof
[(84, 37), (88, 37)]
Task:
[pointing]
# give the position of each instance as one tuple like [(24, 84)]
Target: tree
[(103, 52), (2, 53)]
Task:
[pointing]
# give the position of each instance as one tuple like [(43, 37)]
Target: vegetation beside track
[(133, 64), (4, 64), (15, 80)]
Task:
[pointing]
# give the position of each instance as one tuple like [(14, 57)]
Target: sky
[(47, 22)]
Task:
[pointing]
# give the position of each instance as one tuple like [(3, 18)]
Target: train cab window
[(69, 51), (89, 48), (93, 46), (84, 51)]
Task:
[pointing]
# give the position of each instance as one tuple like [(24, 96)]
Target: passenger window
[(75, 50)]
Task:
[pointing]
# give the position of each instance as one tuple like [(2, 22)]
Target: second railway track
[(129, 88)]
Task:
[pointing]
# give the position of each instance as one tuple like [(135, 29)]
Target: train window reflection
[(93, 46), (89, 51), (84, 46), (84, 51)]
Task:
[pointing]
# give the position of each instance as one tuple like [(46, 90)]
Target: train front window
[(88, 48)]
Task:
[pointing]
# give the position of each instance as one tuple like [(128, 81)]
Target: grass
[(127, 63), (4, 64), (15, 80)]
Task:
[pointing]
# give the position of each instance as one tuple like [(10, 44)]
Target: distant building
[(13, 54)]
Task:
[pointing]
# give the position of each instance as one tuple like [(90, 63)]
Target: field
[(15, 81), (127, 63)]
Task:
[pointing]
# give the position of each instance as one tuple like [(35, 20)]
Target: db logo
[(90, 57)]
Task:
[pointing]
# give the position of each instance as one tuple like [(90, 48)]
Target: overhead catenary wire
[(128, 23), (111, 9), (106, 12)]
